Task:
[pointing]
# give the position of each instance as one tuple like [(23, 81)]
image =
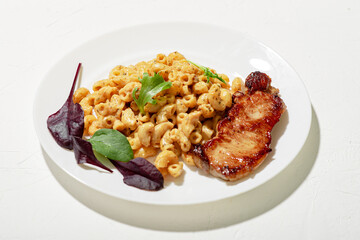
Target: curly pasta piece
[(176, 169)]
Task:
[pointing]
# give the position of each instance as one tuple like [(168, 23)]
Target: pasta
[(185, 114)]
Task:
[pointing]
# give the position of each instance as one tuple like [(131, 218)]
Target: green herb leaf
[(209, 74), (104, 160), (112, 144), (150, 86)]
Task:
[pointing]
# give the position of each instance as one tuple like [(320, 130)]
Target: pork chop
[(243, 137)]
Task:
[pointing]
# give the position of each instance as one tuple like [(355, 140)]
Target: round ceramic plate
[(233, 53)]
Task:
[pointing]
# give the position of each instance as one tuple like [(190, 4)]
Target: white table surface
[(316, 197)]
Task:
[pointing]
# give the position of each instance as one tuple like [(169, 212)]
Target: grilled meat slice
[(243, 138)]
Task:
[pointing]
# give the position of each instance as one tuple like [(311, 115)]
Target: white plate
[(226, 50)]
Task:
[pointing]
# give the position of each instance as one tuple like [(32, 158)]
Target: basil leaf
[(112, 144)]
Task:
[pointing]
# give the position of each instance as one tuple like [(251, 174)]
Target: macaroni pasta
[(183, 115)]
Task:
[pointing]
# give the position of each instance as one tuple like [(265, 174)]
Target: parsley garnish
[(209, 74), (150, 86)]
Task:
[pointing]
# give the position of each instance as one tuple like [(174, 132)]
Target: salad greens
[(104, 160), (150, 86), (112, 148), (207, 72), (140, 173), (68, 121), (112, 144), (84, 153)]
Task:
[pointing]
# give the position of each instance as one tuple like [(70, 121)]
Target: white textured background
[(316, 197)]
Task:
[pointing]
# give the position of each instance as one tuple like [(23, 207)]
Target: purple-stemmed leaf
[(68, 121), (67, 126), (84, 153), (140, 173)]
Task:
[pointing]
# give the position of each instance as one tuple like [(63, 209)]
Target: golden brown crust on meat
[(243, 139), (257, 81)]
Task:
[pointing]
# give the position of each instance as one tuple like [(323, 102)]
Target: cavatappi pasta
[(184, 115)]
